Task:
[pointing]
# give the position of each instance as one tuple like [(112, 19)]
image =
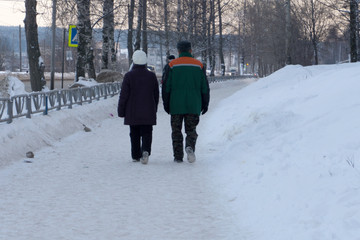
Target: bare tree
[(239, 39), (5, 51), (33, 50), (287, 32), (203, 30), (354, 31), (314, 16), (144, 27), (243, 38), (85, 57), (130, 29), (211, 37), (137, 44), (178, 20), (66, 12), (190, 20), (108, 43), (268, 33), (166, 22), (221, 54)]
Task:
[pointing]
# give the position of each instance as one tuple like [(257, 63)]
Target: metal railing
[(41, 102), (225, 78)]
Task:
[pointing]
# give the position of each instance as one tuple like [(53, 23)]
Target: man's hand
[(204, 110)]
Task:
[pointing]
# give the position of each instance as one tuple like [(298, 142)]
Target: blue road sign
[(73, 36)]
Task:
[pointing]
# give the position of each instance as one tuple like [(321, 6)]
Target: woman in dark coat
[(138, 102)]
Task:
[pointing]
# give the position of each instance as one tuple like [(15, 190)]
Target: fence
[(40, 102), (225, 78)]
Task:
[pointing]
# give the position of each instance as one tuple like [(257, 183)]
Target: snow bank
[(24, 135), (289, 151), (10, 86), (84, 82)]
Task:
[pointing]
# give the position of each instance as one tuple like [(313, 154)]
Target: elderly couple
[(185, 94)]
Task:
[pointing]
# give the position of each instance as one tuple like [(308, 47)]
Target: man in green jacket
[(186, 95)]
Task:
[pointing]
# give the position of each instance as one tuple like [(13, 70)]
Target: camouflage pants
[(191, 121)]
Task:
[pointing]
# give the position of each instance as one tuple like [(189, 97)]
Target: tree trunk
[(287, 32), (212, 37), (81, 50), (108, 34), (130, 30), (166, 23), (203, 31), (221, 54), (313, 34), (33, 50), (144, 27), (90, 50), (353, 31), (208, 48), (112, 37), (190, 26), (243, 40), (138, 28), (178, 20), (85, 56), (105, 37)]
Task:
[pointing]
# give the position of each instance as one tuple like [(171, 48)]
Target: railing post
[(106, 91), (28, 106), (70, 99), (90, 91), (46, 105), (58, 95), (10, 110), (97, 92), (80, 96)]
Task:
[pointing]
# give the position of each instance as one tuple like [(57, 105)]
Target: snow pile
[(10, 86), (84, 82), (287, 150), (25, 134)]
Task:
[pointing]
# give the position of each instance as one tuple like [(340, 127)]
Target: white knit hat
[(139, 57)]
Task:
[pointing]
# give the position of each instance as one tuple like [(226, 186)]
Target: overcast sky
[(12, 13)]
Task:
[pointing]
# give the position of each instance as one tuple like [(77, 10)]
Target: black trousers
[(141, 138)]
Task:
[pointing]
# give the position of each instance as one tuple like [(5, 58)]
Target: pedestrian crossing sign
[(73, 36)]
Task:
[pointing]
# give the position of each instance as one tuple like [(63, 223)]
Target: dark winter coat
[(164, 78), (186, 90), (139, 97)]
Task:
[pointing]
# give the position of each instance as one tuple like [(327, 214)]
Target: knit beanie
[(139, 57)]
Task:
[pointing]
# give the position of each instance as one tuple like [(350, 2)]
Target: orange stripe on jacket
[(185, 61)]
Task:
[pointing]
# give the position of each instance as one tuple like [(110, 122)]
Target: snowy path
[(86, 187)]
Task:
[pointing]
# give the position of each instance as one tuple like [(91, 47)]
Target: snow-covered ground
[(10, 86), (277, 159)]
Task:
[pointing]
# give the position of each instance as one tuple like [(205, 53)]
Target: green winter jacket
[(186, 90)]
